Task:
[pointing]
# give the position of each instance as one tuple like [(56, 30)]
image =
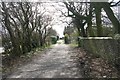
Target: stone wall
[(106, 48)]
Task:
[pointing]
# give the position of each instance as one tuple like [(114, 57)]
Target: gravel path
[(57, 62)]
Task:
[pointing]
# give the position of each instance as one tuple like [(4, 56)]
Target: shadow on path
[(58, 62)]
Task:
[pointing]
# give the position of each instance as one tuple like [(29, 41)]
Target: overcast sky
[(54, 9)]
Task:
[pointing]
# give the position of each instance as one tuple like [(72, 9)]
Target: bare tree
[(22, 21), (79, 14)]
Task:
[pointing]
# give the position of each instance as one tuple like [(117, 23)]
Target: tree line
[(90, 14), (25, 26)]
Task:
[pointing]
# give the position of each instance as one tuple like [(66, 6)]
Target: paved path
[(58, 62)]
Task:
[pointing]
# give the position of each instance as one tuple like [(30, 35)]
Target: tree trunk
[(40, 38), (89, 22), (15, 42), (83, 30), (112, 17), (98, 19)]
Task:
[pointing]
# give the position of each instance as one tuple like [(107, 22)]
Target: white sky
[(54, 10), (54, 0)]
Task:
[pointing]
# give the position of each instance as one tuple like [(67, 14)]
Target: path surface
[(57, 62)]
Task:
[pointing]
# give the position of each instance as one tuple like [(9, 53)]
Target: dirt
[(95, 67), (57, 62), (63, 61)]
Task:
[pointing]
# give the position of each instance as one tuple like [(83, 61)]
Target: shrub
[(66, 39), (53, 39)]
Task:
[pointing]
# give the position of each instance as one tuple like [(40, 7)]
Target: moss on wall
[(108, 49)]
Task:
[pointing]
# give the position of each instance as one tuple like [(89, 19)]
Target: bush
[(117, 36), (66, 39), (53, 39)]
